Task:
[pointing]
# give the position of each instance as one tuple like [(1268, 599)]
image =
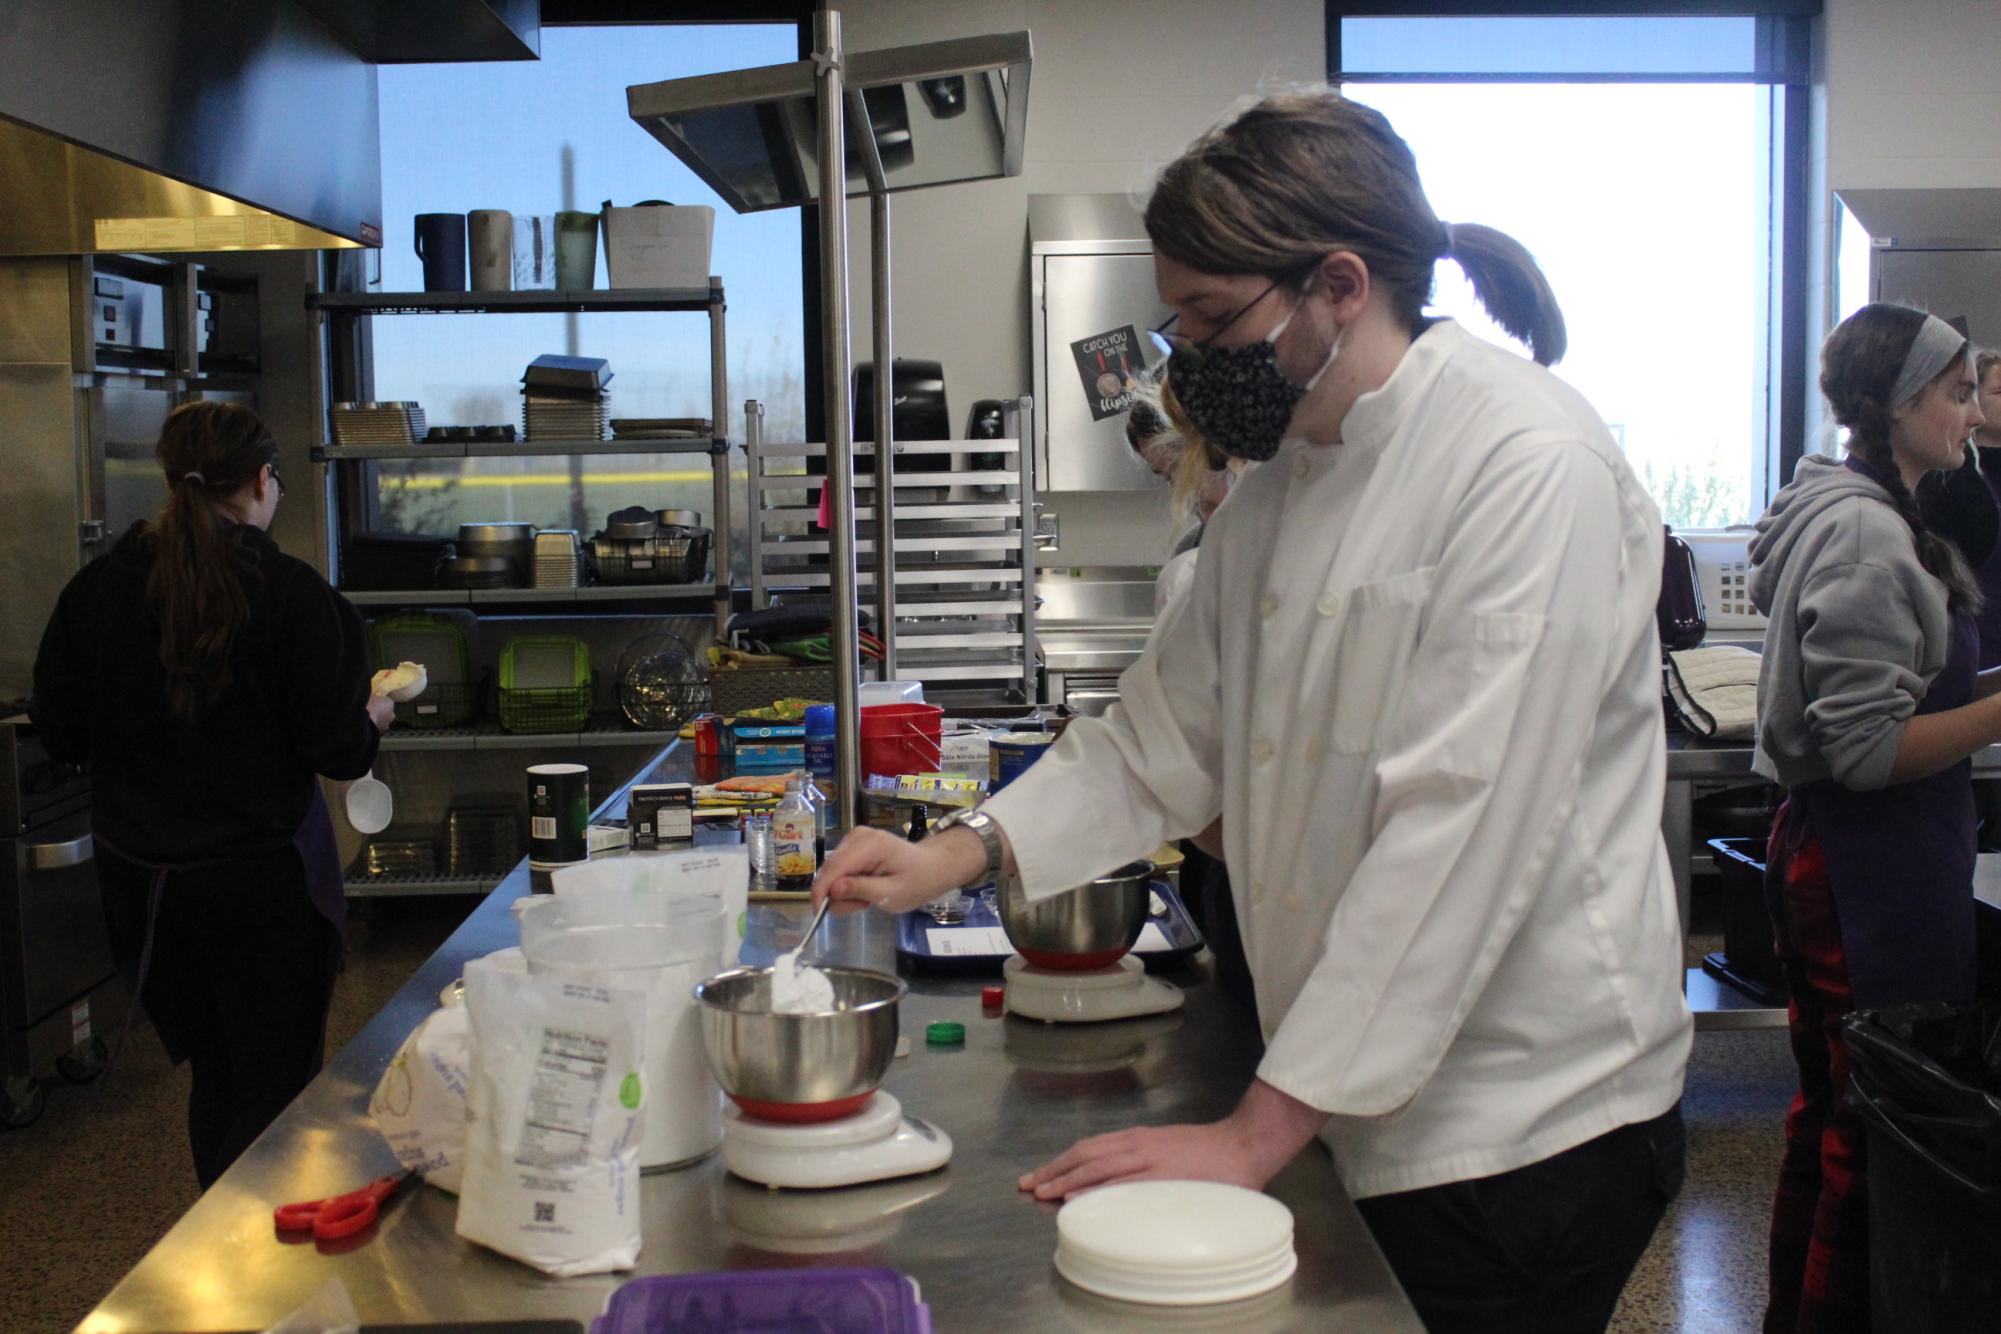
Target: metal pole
[(885, 438), (719, 452), (827, 57), (753, 443)]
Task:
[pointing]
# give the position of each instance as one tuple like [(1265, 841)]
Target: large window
[(1644, 162), (534, 138)]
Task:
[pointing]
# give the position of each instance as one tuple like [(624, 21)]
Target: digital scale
[(875, 1143), (1120, 990)]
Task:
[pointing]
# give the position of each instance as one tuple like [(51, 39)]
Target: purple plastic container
[(767, 1301)]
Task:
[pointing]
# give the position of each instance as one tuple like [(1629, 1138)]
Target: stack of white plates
[(1175, 1243), (378, 423), (559, 558), (546, 417)]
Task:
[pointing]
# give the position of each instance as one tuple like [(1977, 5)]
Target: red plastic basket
[(901, 739)]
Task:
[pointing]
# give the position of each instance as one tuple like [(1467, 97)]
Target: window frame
[(1784, 47)]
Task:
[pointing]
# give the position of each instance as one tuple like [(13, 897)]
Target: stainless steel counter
[(1016, 1094)]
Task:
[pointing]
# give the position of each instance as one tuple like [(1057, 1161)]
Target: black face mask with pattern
[(1237, 397)]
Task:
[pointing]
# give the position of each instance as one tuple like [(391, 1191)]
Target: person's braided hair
[(1859, 366)]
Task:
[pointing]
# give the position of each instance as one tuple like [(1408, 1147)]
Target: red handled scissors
[(341, 1215)]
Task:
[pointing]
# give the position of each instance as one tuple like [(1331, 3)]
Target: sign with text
[(1107, 363)]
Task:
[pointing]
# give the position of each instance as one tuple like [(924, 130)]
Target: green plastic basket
[(439, 641), (545, 684)]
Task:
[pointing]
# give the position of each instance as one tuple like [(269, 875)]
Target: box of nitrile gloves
[(660, 813)]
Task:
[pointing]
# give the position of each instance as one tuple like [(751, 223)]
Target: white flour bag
[(553, 1120)]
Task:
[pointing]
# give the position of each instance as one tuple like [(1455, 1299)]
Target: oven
[(1093, 625), (59, 992)]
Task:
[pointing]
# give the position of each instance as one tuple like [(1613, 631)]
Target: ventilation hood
[(936, 113), (187, 125)]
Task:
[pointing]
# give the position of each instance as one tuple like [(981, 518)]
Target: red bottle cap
[(991, 997)]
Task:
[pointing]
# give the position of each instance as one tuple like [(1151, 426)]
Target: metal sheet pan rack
[(962, 542)]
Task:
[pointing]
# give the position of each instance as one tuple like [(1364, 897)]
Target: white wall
[(1119, 87), (1907, 96)]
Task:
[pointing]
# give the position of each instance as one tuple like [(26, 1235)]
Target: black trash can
[(1927, 1084)]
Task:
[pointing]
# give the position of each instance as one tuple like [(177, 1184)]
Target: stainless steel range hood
[(166, 125), (932, 114)]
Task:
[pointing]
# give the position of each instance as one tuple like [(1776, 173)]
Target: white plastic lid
[(1175, 1242)]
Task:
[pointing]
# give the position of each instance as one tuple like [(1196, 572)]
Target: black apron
[(1900, 864)]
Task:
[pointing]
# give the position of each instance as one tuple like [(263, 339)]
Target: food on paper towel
[(769, 785), (402, 683)]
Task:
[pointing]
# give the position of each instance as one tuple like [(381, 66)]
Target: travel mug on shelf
[(492, 249), (576, 250), (441, 244)]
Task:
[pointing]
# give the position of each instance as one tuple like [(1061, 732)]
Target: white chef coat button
[(1292, 900), (1271, 604), (1303, 467), (1261, 750), (1316, 750), (1329, 604)]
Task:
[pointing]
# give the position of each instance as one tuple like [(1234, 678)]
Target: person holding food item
[(206, 678), (1418, 677)]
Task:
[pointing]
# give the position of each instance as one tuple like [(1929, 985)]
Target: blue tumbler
[(441, 244)]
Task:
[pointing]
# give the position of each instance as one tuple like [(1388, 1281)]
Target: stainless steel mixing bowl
[(1087, 927), (799, 1067)]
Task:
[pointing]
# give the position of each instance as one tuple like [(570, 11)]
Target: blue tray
[(913, 941)]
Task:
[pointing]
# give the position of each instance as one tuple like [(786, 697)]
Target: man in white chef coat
[(1417, 675)]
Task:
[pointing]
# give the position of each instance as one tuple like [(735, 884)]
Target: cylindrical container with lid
[(559, 812), (1008, 756), (821, 761)]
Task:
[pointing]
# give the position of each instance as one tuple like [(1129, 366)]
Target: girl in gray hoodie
[(1870, 706)]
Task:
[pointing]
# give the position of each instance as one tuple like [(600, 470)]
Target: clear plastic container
[(661, 945), (757, 840)]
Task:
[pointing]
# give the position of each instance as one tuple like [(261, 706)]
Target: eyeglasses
[(277, 479), (1170, 343)]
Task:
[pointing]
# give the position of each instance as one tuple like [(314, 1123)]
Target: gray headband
[(1936, 347)]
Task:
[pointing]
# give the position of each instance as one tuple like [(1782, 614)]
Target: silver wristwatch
[(990, 838)]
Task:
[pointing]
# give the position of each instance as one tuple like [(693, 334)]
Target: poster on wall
[(1107, 363)]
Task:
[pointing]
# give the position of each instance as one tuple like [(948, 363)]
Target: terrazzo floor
[(111, 1166)]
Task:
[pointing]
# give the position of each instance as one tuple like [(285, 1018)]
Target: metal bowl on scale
[(1091, 926), (799, 1067)]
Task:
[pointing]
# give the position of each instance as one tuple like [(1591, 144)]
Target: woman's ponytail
[(196, 586), (1511, 287)]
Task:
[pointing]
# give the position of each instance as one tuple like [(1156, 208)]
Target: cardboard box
[(660, 813)]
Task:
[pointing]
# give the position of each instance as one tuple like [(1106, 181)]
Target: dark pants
[(1544, 1249), (239, 985), (1820, 1212)]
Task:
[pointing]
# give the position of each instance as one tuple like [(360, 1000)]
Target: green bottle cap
[(944, 1032)]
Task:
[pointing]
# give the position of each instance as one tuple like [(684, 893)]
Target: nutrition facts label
[(563, 1099)]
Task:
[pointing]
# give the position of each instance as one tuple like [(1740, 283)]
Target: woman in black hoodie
[(206, 678)]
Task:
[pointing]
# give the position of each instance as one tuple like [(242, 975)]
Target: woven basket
[(735, 689)]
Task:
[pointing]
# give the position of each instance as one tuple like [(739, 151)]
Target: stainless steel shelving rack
[(341, 373), (964, 605)]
